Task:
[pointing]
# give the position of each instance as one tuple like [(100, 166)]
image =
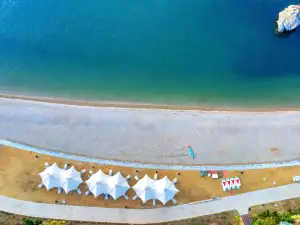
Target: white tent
[(145, 189), (71, 179), (51, 177), (98, 183), (118, 186), (165, 190)]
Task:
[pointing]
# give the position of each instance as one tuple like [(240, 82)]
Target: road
[(241, 203), (153, 136), (246, 219)]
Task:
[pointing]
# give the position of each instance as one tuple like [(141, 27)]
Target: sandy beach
[(152, 135), (19, 179)]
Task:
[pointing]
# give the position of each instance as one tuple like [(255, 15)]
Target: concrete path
[(149, 166), (133, 216), (153, 136)]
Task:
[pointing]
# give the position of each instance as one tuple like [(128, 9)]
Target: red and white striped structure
[(231, 183)]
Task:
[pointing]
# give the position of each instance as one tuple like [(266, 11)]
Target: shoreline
[(138, 105)]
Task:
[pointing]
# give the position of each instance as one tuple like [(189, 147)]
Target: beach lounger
[(135, 197), (41, 185), (88, 193), (83, 171), (136, 178), (126, 197), (155, 176), (215, 176), (128, 177), (174, 201), (66, 166), (175, 180), (110, 172), (79, 191), (46, 164), (59, 190)]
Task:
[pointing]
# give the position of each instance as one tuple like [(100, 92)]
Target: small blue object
[(191, 152), (203, 173)]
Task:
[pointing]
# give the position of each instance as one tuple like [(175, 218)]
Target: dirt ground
[(19, 179), (281, 206), (224, 218)]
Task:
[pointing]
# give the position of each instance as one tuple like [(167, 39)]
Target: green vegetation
[(236, 218), (275, 218), (32, 222), (225, 218), (39, 222)]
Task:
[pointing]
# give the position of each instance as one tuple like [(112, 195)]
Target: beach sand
[(19, 179), (150, 135)]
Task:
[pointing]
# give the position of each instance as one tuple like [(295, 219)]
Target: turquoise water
[(199, 52)]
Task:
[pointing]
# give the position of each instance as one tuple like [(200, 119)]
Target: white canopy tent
[(165, 190), (51, 177), (98, 183), (71, 179), (145, 189), (118, 186)]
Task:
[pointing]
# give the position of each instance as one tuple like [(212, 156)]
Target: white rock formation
[(289, 18)]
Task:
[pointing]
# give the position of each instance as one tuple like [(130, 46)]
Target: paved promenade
[(149, 166), (133, 216), (153, 135)]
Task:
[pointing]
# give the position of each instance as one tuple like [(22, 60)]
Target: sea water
[(195, 52)]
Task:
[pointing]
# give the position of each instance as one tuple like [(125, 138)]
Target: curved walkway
[(241, 203), (153, 135), (149, 166)]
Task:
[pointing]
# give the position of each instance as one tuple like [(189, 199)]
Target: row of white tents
[(102, 184)]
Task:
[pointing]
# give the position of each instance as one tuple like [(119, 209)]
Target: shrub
[(32, 222), (296, 218), (286, 217), (236, 218), (264, 214), (266, 221)]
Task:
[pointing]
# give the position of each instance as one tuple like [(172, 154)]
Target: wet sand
[(152, 135)]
